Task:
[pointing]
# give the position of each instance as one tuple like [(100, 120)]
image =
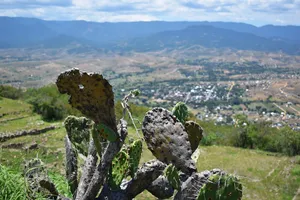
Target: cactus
[(172, 175), (89, 93), (180, 110), (221, 187), (78, 130), (119, 169), (194, 131), (106, 132), (167, 140), (135, 152), (39, 184)]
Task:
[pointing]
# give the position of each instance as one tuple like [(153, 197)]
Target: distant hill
[(211, 37), (30, 32)]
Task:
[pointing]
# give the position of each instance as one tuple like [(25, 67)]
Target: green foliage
[(10, 92), (172, 175), (253, 135), (180, 110), (221, 187), (12, 185), (135, 153), (48, 102), (61, 184), (119, 169)]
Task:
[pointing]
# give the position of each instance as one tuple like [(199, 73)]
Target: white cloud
[(257, 12)]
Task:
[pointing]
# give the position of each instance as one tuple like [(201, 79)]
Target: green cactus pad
[(194, 131), (106, 132), (180, 110), (135, 152), (119, 169), (221, 187), (78, 130), (173, 177), (167, 139)]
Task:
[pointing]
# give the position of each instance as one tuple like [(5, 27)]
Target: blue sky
[(257, 12)]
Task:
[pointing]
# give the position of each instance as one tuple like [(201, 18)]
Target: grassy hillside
[(264, 175)]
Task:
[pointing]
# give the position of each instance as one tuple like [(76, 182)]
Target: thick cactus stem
[(180, 110), (71, 166), (172, 175), (194, 131), (135, 152)]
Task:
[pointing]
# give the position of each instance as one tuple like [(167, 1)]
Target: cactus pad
[(106, 132), (78, 130), (119, 169), (180, 110), (221, 187), (194, 131), (172, 175), (167, 140), (135, 152), (90, 93)]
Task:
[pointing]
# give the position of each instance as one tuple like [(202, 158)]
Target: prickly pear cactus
[(38, 182), (180, 110), (167, 140), (78, 130), (135, 152), (194, 131), (221, 187), (106, 132), (172, 175), (119, 169), (89, 93)]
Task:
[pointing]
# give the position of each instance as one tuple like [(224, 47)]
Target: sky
[(256, 12)]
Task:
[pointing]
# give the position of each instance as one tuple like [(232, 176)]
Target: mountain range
[(21, 32)]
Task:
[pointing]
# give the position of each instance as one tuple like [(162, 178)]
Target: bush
[(48, 102), (10, 92)]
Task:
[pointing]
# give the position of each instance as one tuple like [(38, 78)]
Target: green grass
[(264, 175), (9, 106)]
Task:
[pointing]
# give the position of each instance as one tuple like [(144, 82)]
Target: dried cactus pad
[(194, 131), (90, 93), (167, 140)]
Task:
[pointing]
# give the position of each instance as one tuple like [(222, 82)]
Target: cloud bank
[(257, 12)]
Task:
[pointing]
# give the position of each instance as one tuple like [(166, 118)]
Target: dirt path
[(280, 107)]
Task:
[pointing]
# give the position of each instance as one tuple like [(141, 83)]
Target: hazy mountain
[(210, 37), (30, 32)]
